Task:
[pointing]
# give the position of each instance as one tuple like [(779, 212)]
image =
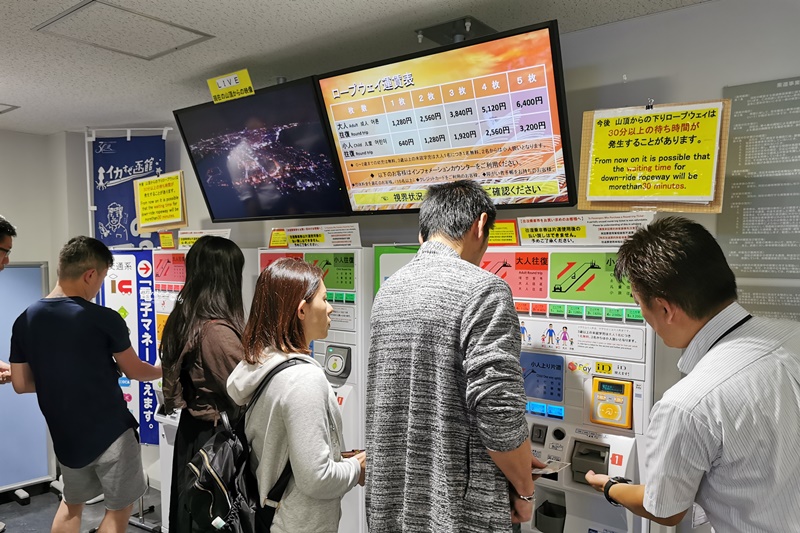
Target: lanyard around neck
[(730, 330)]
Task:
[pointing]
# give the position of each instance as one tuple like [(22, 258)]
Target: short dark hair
[(450, 209), (6, 229), (273, 321), (81, 254), (679, 261)]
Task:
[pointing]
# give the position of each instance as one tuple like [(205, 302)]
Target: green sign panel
[(338, 269), (575, 311), (634, 315), (587, 276), (592, 311), (389, 259)]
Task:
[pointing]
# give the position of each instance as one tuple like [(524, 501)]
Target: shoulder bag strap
[(268, 378), (276, 493)]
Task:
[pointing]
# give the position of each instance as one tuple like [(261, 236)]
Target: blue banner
[(128, 289), (117, 162)]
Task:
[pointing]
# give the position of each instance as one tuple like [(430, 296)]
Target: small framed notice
[(668, 157), (161, 202)]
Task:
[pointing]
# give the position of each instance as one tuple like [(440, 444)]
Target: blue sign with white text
[(128, 290), (117, 163)]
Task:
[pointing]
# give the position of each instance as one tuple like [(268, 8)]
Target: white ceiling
[(64, 85)]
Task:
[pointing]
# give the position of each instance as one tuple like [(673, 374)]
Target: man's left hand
[(5, 373), (597, 481)]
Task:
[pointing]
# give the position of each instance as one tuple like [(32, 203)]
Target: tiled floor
[(38, 515)]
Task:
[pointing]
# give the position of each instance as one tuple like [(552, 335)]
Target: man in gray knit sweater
[(447, 439)]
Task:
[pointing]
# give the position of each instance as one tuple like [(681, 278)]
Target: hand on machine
[(551, 467), (522, 507), (5, 372)]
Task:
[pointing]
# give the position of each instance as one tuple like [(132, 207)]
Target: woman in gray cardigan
[(296, 418)]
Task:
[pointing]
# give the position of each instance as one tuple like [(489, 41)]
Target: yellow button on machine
[(609, 411), (612, 401)]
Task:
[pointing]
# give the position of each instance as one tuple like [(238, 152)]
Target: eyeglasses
[(5, 252)]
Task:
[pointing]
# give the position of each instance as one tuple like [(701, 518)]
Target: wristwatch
[(610, 483)]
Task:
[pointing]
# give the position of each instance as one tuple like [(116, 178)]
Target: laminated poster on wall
[(324, 236), (668, 153), (160, 202), (582, 230), (186, 238)]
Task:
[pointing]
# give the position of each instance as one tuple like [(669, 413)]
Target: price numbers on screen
[(461, 135), (493, 132), (530, 102), (430, 116), (536, 126), (491, 108), (467, 111)]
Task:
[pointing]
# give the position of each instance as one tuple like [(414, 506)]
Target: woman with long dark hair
[(296, 418), (200, 346)]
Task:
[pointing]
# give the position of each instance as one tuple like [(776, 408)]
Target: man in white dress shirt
[(726, 435)]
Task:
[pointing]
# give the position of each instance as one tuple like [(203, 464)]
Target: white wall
[(26, 194)]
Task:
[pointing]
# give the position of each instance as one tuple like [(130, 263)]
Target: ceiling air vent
[(111, 27)]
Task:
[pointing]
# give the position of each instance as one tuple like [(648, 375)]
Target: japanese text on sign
[(159, 199), (230, 86), (666, 154)]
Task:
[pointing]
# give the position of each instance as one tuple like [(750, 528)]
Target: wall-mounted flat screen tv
[(492, 109), (264, 156)]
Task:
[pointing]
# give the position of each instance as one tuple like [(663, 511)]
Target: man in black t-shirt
[(66, 349)]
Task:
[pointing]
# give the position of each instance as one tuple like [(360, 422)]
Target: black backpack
[(223, 492)]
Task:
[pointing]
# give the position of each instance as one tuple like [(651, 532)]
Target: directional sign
[(588, 277), (144, 268)]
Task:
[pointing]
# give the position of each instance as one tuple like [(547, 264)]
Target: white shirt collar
[(708, 335)]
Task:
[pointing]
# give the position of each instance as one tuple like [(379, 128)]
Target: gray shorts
[(117, 474)]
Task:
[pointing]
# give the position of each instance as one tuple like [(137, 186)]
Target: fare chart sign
[(486, 112)]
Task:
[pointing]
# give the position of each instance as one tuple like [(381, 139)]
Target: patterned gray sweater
[(444, 384)]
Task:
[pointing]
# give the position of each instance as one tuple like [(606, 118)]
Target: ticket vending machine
[(587, 363), (589, 375), (343, 353)]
